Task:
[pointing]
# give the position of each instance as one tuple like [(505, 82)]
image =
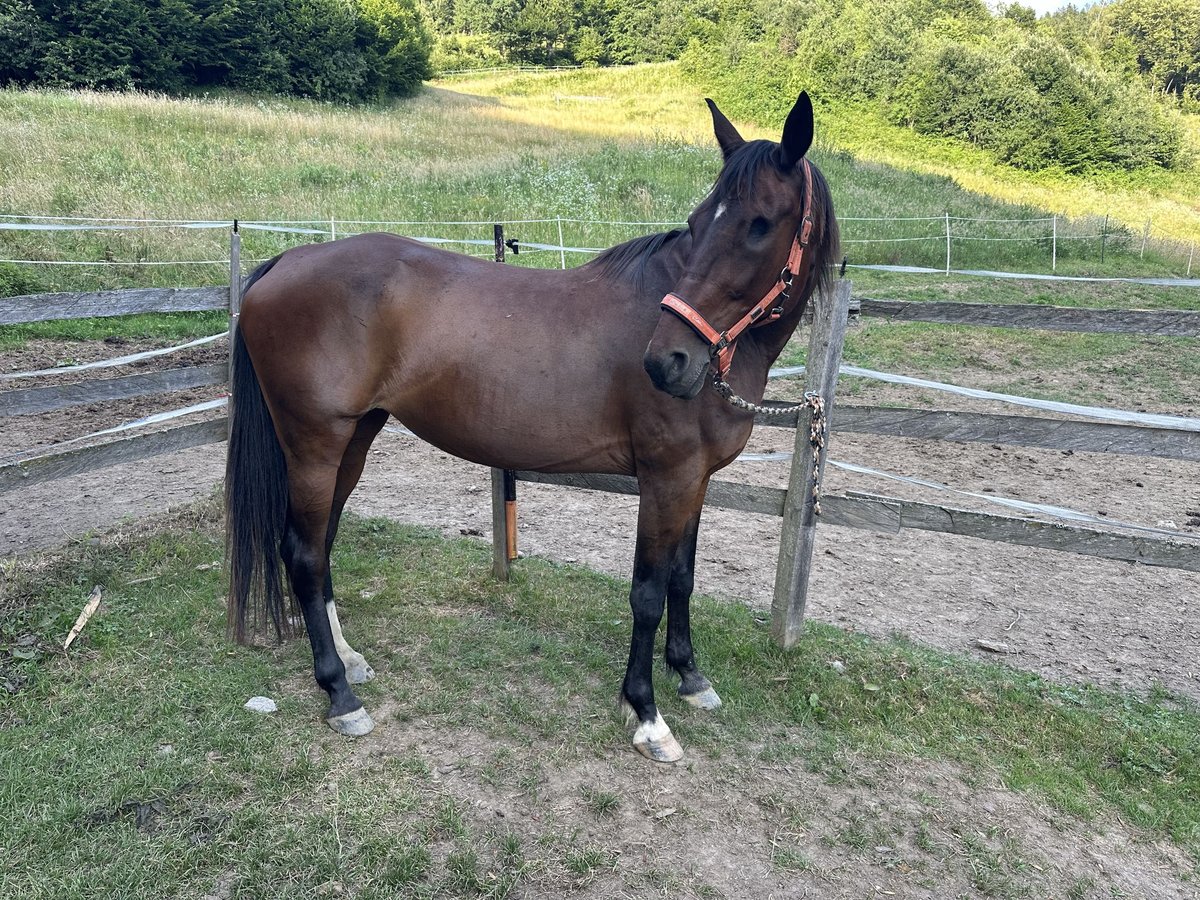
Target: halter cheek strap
[(721, 344)]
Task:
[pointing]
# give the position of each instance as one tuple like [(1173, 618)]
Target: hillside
[(629, 145)]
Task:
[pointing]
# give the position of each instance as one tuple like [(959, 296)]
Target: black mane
[(735, 181), (632, 256)]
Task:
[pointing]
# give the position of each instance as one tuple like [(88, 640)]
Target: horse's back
[(498, 364)]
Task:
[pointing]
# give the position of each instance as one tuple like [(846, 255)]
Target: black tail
[(256, 501)]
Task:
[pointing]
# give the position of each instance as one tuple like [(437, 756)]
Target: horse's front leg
[(665, 511), (693, 686)]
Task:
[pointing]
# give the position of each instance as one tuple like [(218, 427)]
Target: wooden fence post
[(799, 512), (504, 484)]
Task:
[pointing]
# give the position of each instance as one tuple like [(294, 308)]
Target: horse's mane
[(735, 181), (631, 257)]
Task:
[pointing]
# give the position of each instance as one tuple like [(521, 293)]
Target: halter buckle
[(806, 227)]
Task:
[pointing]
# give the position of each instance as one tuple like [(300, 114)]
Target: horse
[(601, 368)]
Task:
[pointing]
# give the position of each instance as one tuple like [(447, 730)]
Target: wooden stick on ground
[(89, 610)]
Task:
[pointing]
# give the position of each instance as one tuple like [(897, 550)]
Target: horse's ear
[(797, 132), (727, 135)]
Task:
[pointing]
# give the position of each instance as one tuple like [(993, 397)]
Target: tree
[(344, 50), (1165, 35)]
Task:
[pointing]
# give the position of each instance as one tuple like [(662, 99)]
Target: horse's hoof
[(706, 699), (358, 672), (352, 724), (654, 741)]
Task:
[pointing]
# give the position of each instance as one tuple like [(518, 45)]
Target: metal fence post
[(1054, 244), (504, 483), (947, 243)]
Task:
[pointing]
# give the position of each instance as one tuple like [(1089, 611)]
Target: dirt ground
[(1068, 617), (1062, 615)]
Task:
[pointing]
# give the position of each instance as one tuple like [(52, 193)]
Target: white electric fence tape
[(115, 361)]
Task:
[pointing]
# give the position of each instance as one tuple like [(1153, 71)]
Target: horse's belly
[(505, 443)]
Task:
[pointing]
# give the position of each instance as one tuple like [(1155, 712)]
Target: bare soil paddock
[(1067, 616)]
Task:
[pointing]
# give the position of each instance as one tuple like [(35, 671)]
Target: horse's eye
[(759, 227)]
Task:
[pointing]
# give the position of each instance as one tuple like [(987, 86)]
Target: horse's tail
[(256, 500)]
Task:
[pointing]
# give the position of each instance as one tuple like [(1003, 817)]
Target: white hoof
[(357, 671), (653, 739), (706, 699), (352, 724)]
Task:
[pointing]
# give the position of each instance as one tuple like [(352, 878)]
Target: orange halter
[(721, 344)]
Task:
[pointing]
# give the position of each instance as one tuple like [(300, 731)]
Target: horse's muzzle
[(676, 372)]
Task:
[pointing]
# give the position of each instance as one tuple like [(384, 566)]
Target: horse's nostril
[(678, 363), (667, 368)]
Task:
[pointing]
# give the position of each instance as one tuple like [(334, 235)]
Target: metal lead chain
[(818, 425)]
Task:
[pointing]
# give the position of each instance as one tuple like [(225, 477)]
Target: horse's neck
[(771, 339)]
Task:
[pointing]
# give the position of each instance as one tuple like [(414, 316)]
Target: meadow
[(630, 145), (554, 155)]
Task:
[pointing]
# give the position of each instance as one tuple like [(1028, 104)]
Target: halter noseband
[(721, 344)]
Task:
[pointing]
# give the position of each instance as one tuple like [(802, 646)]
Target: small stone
[(166, 749), (663, 813), (261, 705), (992, 646), (838, 666)]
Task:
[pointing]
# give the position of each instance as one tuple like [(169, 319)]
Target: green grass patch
[(130, 769), (148, 326), (621, 145)]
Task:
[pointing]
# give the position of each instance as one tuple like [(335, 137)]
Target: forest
[(1079, 91), (346, 51)]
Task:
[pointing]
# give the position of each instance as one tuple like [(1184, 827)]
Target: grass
[(1167, 199), (632, 144), (622, 145), (128, 768)]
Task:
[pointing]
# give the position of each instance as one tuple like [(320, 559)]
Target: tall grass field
[(625, 145), (584, 158)]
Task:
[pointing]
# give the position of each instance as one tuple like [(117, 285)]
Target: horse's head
[(744, 234)]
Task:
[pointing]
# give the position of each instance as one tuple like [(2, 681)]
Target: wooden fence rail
[(889, 515), (60, 463), (27, 401), (1022, 431), (855, 510), (98, 304), (1162, 322)]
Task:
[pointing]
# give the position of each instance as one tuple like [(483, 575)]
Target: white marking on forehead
[(720, 211)]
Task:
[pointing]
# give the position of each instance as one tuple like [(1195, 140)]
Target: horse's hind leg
[(313, 468), (350, 470), (693, 686)]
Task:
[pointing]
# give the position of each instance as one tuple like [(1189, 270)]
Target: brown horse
[(582, 370)]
